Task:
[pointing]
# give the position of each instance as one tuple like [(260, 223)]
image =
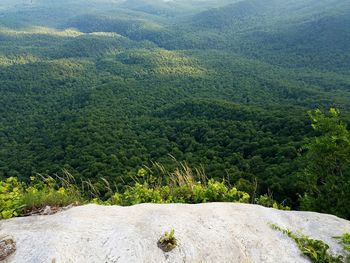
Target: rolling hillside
[(102, 88)]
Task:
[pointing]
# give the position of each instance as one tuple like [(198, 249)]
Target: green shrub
[(11, 203), (141, 193), (345, 239), (326, 177), (19, 198), (198, 193), (267, 201), (50, 192), (181, 186), (168, 241)]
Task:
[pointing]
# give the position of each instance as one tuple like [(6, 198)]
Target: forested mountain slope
[(289, 33), (102, 88)]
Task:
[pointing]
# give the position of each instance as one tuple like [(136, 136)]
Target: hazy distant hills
[(257, 14), (308, 32), (323, 43), (312, 32)]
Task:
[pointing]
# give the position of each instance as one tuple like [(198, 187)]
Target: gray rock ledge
[(213, 232)]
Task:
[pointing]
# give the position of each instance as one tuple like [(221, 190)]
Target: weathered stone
[(214, 232), (7, 248), (47, 210)]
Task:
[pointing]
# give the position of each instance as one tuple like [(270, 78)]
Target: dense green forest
[(103, 88)]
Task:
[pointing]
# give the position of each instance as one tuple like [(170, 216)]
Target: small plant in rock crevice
[(168, 241)]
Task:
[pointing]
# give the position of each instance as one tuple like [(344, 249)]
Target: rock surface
[(7, 247), (215, 232)]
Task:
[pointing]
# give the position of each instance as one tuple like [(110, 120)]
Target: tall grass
[(55, 191), (153, 184)]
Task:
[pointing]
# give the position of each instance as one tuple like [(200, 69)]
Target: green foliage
[(315, 250), (198, 193), (21, 198), (168, 241), (345, 241), (47, 191), (327, 174), (10, 198), (18, 198), (181, 186), (267, 201), (224, 84), (140, 193)]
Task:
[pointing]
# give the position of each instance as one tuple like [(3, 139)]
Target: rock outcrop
[(214, 232)]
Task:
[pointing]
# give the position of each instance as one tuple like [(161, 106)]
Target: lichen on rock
[(7, 248)]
